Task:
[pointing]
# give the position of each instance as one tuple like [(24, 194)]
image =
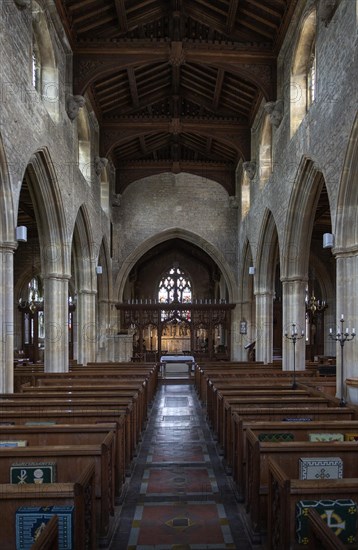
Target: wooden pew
[(48, 538), (65, 434), (320, 535), (306, 416), (299, 431), (79, 417), (32, 402), (98, 394), (79, 494), (285, 490), (257, 473), (241, 406), (70, 461)]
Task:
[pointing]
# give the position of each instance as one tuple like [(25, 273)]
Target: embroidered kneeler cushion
[(33, 472), (273, 437), (30, 521), (351, 437), (340, 515), (323, 467), (14, 443), (325, 437)]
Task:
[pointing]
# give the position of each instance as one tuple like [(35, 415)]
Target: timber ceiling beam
[(234, 135), (98, 60), (231, 16)]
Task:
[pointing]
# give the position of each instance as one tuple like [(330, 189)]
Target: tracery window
[(175, 286), (311, 78)]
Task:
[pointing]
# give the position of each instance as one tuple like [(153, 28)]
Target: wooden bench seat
[(285, 490), (284, 406), (74, 417), (72, 405), (70, 461), (79, 493), (299, 431), (257, 472), (48, 538)]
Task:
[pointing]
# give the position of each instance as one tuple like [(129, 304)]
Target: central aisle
[(179, 497)]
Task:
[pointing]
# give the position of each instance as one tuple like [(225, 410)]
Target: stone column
[(347, 304), (7, 317), (294, 311), (56, 323), (104, 330), (264, 316), (86, 326), (237, 345)]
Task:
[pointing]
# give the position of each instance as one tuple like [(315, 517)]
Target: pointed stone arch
[(346, 233), (266, 263), (50, 215), (294, 256), (172, 233), (84, 261), (7, 219)]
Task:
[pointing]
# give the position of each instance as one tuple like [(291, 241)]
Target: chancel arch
[(176, 299)]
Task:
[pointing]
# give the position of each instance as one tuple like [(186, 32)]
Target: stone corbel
[(326, 9), (73, 105), (23, 4), (250, 168), (233, 202), (116, 200), (275, 110), (100, 164)]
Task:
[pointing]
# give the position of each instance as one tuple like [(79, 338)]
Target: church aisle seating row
[(83, 417), (77, 496), (262, 426)]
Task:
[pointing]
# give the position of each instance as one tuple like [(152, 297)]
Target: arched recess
[(265, 151), (268, 312), (303, 216), (84, 144), (246, 340), (346, 253), (346, 233), (84, 255), (49, 239), (104, 304), (300, 218), (7, 247), (303, 72), (44, 65), (6, 200), (173, 233)]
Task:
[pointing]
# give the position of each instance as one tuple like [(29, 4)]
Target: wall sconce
[(99, 270), (252, 270), (21, 233), (328, 240)]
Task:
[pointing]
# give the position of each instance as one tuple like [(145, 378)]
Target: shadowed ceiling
[(175, 84)]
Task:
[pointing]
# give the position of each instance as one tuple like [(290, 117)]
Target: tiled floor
[(179, 497)]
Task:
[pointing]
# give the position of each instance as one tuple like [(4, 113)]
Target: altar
[(167, 359)]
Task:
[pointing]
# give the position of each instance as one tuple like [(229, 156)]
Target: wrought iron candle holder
[(342, 337), (294, 337)]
